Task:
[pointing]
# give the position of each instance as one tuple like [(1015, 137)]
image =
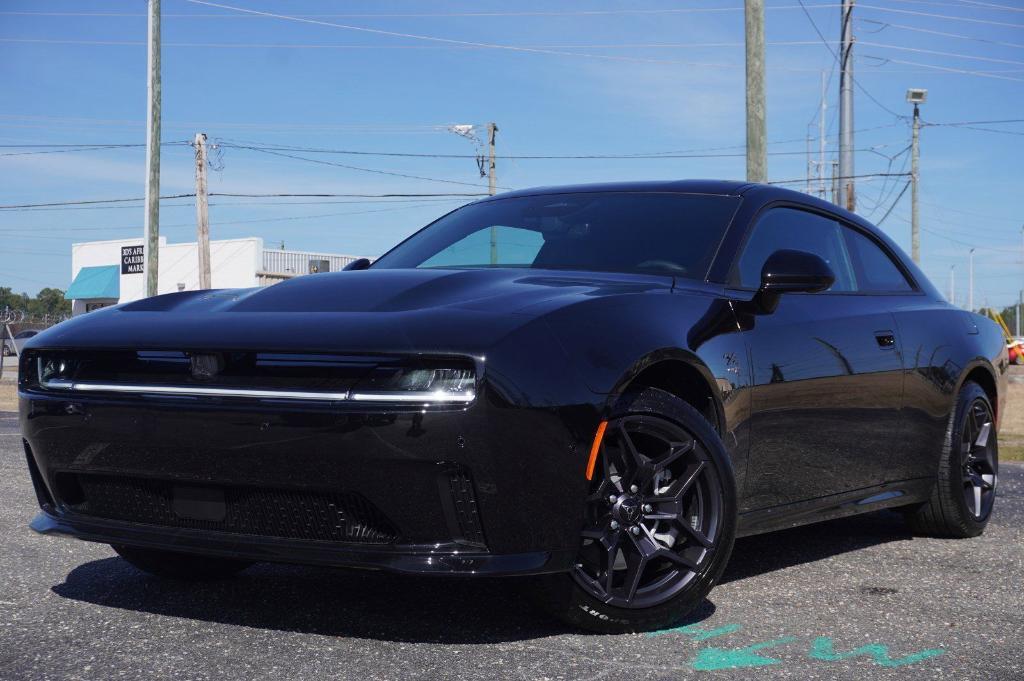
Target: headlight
[(418, 385), (55, 373)]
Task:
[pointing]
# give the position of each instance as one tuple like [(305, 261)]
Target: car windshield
[(652, 232)]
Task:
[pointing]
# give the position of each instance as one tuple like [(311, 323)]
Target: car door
[(826, 372)]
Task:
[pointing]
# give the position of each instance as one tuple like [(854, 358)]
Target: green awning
[(96, 283)]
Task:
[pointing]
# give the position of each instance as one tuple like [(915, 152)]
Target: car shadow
[(765, 553), (385, 606)]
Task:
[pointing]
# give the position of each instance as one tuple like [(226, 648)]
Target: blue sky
[(667, 78)]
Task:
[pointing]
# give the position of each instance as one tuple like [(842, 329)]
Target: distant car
[(12, 346), (601, 384)]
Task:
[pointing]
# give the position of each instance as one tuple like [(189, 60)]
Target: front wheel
[(660, 520)]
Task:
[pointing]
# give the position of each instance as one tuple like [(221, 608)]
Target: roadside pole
[(821, 138), (757, 156), (492, 184), (202, 213), (152, 217), (915, 96), (970, 281), (847, 192)]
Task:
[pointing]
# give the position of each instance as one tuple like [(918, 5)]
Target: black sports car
[(603, 385)]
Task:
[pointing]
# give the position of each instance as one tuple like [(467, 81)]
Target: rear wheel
[(965, 488), (659, 522), (184, 566)]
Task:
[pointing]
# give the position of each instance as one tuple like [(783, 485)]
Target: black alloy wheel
[(657, 524), (964, 494), (979, 459), (653, 514)]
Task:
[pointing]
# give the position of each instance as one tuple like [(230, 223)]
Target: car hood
[(369, 310)]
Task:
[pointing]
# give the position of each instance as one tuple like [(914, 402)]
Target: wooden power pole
[(757, 153), (202, 213), (152, 217), (492, 184)]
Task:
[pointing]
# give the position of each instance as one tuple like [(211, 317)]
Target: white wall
[(233, 264)]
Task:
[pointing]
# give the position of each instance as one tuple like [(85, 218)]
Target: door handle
[(886, 339)]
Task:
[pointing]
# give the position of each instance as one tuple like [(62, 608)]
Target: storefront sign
[(132, 259)]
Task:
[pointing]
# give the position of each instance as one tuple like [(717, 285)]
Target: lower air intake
[(289, 514)]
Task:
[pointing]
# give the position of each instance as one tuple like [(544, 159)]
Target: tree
[(49, 301), (9, 300)]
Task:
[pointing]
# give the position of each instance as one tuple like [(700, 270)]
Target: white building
[(110, 272)]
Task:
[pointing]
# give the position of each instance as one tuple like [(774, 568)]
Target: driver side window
[(797, 230)]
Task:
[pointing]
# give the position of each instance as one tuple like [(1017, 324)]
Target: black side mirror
[(788, 271), (357, 264)]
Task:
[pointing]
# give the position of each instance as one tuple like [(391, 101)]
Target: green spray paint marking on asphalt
[(822, 649), (711, 659), (695, 632)]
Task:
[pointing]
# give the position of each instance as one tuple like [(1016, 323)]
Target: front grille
[(290, 514)]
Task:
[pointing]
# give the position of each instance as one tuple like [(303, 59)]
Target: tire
[(181, 566), (964, 494), (684, 519)]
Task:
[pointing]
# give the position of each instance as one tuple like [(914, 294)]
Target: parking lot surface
[(850, 599)]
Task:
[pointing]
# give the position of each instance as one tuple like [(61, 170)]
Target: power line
[(1015, 62), (969, 72), (511, 157), (424, 15), (217, 223), (361, 169), (94, 201), (274, 195), (835, 56), (843, 177), (454, 41), (933, 16), (75, 148), (896, 201), (958, 36)]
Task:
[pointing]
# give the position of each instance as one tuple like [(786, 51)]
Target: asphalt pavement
[(851, 599)]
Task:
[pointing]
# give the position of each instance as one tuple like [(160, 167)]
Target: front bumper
[(522, 466), (434, 560)]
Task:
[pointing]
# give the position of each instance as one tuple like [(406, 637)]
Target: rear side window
[(876, 271), (797, 230)]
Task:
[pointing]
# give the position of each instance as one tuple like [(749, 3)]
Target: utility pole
[(847, 193), (151, 221), (757, 127), (970, 281), (915, 96), (835, 181), (492, 184), (821, 138), (202, 213)]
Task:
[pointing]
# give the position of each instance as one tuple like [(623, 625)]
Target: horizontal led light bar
[(435, 396), (202, 391), (198, 391), (408, 386)]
